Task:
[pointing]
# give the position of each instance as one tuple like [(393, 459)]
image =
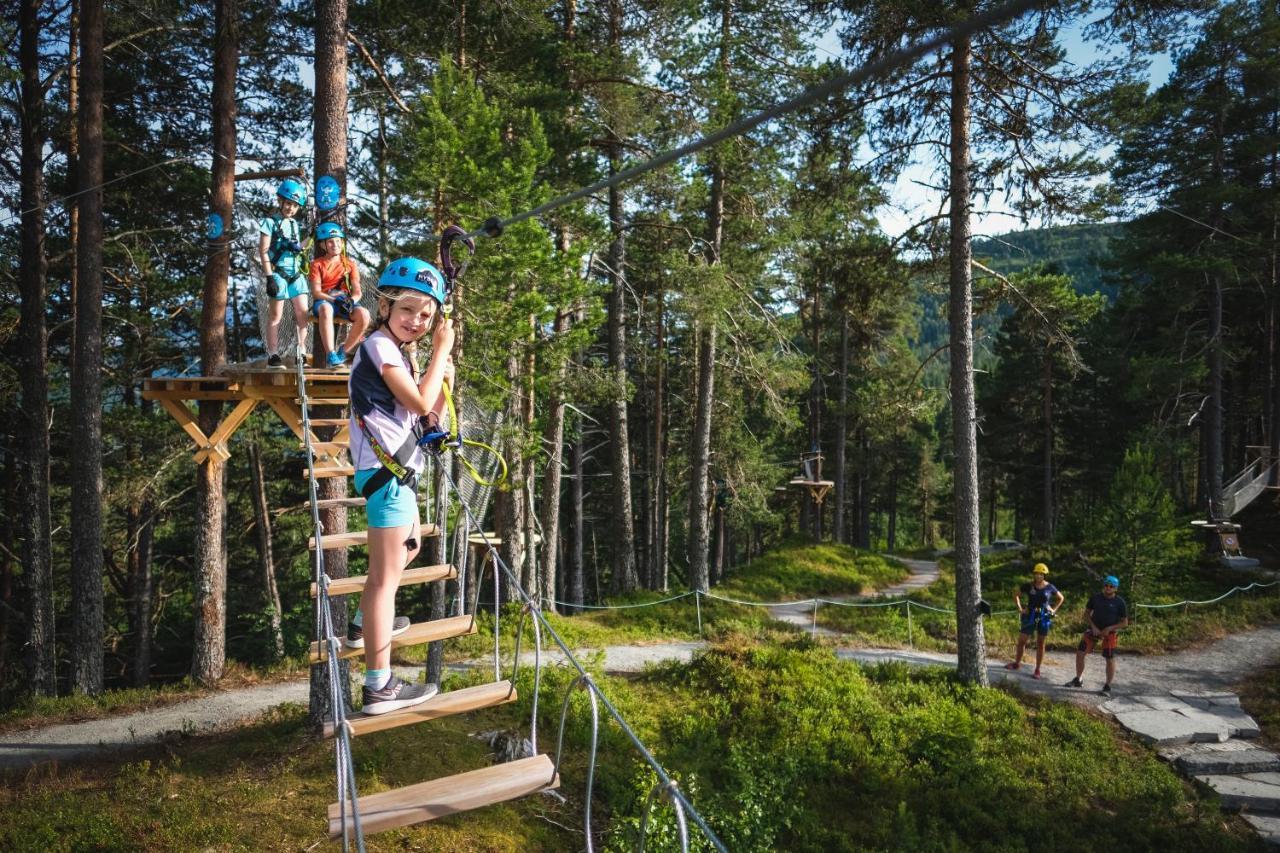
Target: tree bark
[(838, 532), (209, 654), (1046, 495), (86, 378), (33, 414), (575, 582), (700, 459), (266, 557), (553, 439), (970, 639), (815, 406), (330, 144), (624, 545), (658, 552)]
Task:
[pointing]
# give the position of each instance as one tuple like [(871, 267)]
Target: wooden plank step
[(418, 633), (329, 541), (325, 503), (325, 448), (322, 401), (323, 471), (440, 705), (449, 795), (328, 422), (419, 574)]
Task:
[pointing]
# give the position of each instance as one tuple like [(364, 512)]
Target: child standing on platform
[(387, 406), (335, 290), (280, 251)]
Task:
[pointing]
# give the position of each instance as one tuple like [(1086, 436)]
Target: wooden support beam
[(231, 423), (267, 174)]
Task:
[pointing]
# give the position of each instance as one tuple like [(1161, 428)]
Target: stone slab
[(1256, 792), (1223, 762), (1124, 705), (1267, 826), (1169, 727), (1203, 699), (1242, 725), (1172, 753), (1162, 703), (1211, 723)]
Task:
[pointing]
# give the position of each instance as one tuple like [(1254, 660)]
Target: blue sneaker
[(336, 360)]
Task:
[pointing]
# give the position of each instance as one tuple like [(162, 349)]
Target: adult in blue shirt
[(1043, 600), (1106, 613)]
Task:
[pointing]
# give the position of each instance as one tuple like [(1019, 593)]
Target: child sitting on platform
[(387, 407), (335, 290), (280, 251)]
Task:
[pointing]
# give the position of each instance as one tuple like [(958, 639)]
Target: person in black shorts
[(1043, 600), (1106, 614)]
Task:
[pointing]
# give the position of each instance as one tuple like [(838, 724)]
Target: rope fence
[(803, 604)]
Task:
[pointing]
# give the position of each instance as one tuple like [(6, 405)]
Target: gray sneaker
[(355, 634), (396, 694)]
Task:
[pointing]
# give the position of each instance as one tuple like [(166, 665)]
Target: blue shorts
[(393, 505), (288, 288)]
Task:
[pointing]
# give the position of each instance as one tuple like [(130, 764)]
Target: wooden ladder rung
[(325, 503), (449, 795), (328, 422), (418, 633), (323, 471), (440, 705), (330, 541), (325, 448), (420, 574), (322, 401)]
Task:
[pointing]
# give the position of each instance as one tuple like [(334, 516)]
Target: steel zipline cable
[(877, 68)]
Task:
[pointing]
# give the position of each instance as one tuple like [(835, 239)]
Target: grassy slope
[(780, 746)]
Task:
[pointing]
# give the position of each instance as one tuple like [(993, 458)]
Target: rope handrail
[(345, 767), (1228, 593)]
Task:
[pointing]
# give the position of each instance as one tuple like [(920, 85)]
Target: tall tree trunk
[(700, 458), (1046, 495), (266, 556), (624, 544), (815, 405), (527, 478), (970, 639), (842, 434), (658, 556), (209, 654), (142, 527), (33, 415), (553, 440), (73, 151), (509, 504), (575, 582), (86, 378), (891, 540), (330, 147)]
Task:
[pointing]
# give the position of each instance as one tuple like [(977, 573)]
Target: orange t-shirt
[(328, 271)]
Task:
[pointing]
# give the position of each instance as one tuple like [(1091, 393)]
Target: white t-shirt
[(389, 421)]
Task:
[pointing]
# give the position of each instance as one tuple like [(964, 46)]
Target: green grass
[(1260, 696), (779, 746)]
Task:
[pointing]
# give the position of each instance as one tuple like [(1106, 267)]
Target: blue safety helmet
[(414, 274), (293, 190), (1111, 580), (326, 230)]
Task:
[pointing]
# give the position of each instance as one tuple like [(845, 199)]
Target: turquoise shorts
[(289, 288), (393, 505)]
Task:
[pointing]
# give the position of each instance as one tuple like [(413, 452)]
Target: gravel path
[(800, 613), (1217, 666)]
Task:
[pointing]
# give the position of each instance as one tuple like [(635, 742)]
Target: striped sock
[(376, 679), (358, 619)]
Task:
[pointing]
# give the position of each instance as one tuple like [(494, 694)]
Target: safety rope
[(584, 680), (325, 633)]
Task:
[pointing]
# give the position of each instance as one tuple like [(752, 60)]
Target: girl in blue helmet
[(388, 403), (280, 251)]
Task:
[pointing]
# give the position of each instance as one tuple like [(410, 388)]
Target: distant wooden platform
[(817, 488)]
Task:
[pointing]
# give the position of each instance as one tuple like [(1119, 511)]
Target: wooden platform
[(450, 795), (416, 575), (440, 705), (246, 385), (817, 488), (418, 633)]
